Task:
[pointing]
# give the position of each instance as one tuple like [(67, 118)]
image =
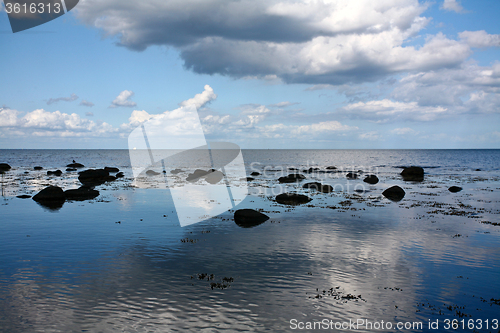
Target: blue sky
[(264, 74)]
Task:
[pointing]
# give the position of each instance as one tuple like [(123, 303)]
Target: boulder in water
[(57, 173), (292, 199), (291, 178), (455, 189), (23, 196), (214, 177), (394, 193), (4, 167), (119, 175), (413, 173), (75, 165), (197, 174), (176, 171), (371, 179), (38, 168), (80, 194), (51, 197), (111, 169), (255, 173), (93, 177), (248, 218), (319, 187), (352, 175)]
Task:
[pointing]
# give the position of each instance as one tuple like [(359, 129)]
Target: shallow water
[(427, 257)]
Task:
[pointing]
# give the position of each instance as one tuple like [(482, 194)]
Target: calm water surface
[(344, 256)]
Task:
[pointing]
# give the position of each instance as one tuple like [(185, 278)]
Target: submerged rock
[(23, 196), (249, 179), (54, 173), (80, 194), (95, 177), (75, 165), (255, 173), (292, 199), (4, 167), (319, 187), (455, 189), (111, 169), (394, 193), (291, 178), (248, 218), (214, 177), (70, 169), (38, 168), (371, 179), (311, 170), (197, 174), (413, 173), (152, 173), (176, 171), (119, 175), (331, 168)]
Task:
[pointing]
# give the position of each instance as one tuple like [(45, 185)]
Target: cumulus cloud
[(89, 114), (123, 99), (480, 39), (71, 98), (452, 5), (43, 123), (297, 41), (404, 131), (199, 100), (86, 103)]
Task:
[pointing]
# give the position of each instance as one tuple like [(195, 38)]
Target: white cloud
[(199, 100), (480, 39), (370, 136), (385, 110), (326, 126), (138, 117), (71, 98), (8, 117), (43, 123), (123, 99), (452, 5)]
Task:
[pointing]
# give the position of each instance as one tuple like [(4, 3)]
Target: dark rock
[(119, 175), (394, 193), (255, 173), (413, 173), (455, 189), (176, 171), (38, 168), (110, 178), (293, 169), (478, 169), (214, 177), (371, 179), (111, 169), (319, 187), (291, 178), (197, 174), (51, 194), (249, 179), (351, 175), (93, 177), (54, 173), (82, 193), (292, 199), (23, 196), (70, 169), (4, 167), (331, 168), (311, 170), (75, 165), (248, 218)]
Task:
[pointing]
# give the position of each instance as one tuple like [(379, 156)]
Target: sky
[(309, 74)]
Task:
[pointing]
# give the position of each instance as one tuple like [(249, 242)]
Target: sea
[(348, 260)]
